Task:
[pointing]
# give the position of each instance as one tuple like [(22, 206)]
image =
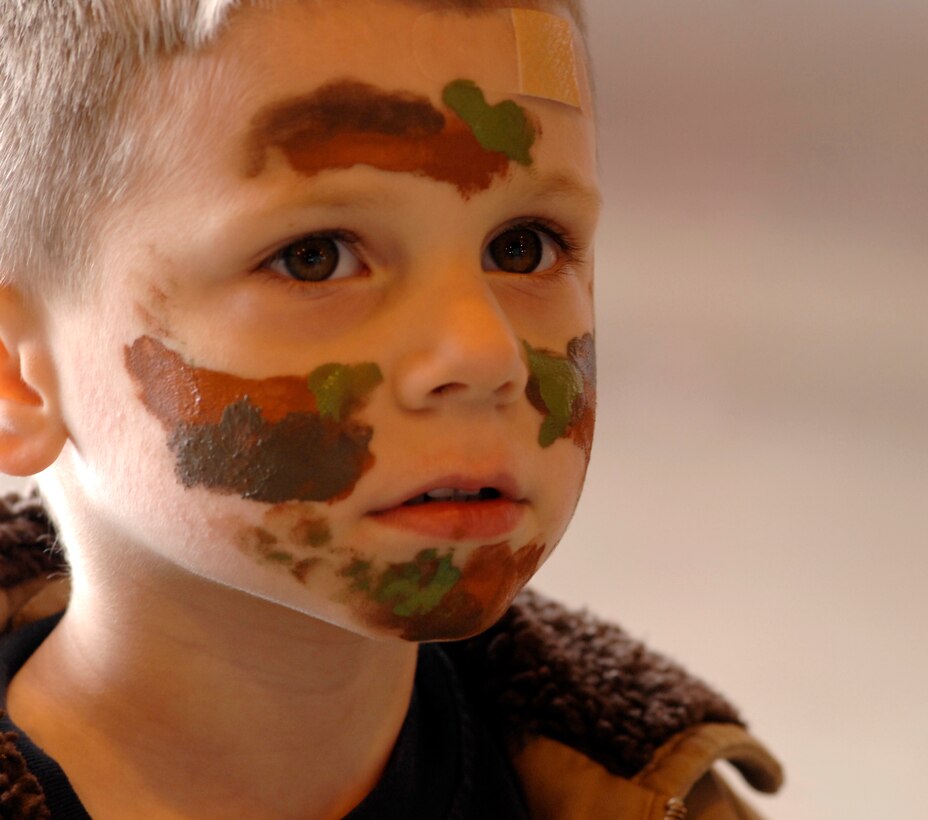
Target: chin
[(431, 599)]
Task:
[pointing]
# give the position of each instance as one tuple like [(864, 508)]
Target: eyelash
[(568, 246), (350, 240)]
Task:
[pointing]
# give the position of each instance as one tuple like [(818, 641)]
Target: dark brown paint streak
[(258, 438), (350, 123)]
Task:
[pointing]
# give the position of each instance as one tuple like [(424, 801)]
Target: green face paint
[(503, 127), (359, 573), (274, 440), (414, 588), (559, 385), (417, 587), (311, 533), (341, 388), (434, 598), (563, 388)]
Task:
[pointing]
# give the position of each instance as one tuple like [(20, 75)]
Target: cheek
[(562, 388), (295, 539), (272, 440)]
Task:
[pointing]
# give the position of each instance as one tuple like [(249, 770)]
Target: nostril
[(448, 388), (509, 390)]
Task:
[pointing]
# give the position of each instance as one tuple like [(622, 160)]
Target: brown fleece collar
[(546, 670), (27, 541), (542, 669)]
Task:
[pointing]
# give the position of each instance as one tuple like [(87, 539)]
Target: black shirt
[(447, 764)]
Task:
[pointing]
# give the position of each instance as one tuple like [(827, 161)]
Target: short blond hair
[(69, 70)]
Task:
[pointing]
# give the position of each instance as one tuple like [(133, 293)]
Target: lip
[(458, 520)]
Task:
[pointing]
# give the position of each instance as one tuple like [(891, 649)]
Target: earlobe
[(32, 432)]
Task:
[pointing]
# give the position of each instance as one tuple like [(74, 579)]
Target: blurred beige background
[(756, 506)]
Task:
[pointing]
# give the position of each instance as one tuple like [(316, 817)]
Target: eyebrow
[(333, 196), (565, 186)]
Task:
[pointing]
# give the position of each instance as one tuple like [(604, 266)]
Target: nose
[(465, 352)]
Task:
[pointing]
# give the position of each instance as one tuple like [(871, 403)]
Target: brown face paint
[(291, 536), (347, 123), (154, 316), (563, 389), (262, 439), (430, 598), (265, 546)]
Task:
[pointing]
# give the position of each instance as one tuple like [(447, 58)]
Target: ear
[(32, 432)]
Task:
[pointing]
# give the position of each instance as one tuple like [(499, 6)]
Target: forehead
[(400, 43), (302, 68)]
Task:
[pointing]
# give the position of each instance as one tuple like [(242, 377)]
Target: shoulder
[(595, 720)]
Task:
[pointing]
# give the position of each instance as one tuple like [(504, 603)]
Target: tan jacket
[(600, 727), (680, 783)]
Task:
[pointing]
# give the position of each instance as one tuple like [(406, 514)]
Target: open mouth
[(454, 494), (456, 513)]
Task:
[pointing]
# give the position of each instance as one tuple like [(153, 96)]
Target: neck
[(165, 674)]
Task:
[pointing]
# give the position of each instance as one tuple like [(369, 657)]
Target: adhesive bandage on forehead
[(521, 51)]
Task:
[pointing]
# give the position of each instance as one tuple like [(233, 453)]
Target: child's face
[(334, 298)]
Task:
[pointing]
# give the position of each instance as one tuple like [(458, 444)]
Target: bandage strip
[(530, 52), (547, 65)]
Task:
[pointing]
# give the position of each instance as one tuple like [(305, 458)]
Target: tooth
[(442, 493), (454, 494)]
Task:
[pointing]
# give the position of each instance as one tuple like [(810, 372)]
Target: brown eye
[(315, 259), (520, 250)]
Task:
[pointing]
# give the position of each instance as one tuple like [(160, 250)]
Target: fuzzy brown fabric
[(543, 669), (27, 540), (21, 796), (546, 670)]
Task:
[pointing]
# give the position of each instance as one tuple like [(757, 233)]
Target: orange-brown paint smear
[(175, 391), (262, 439), (490, 578), (351, 123)]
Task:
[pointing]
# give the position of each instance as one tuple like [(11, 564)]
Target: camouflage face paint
[(349, 123), (339, 388), (563, 389), (415, 588), (431, 598), (502, 127), (264, 545), (274, 440), (291, 537)]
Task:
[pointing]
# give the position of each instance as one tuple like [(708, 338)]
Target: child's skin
[(243, 606)]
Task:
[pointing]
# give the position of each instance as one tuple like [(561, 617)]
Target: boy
[(297, 330)]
